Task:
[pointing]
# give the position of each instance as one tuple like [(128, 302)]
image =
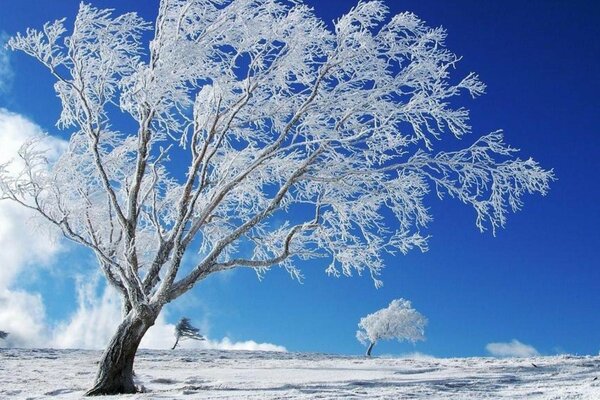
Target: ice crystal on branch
[(276, 111), (263, 137)]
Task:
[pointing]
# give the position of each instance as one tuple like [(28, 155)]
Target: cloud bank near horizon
[(30, 245), (103, 312), (513, 348)]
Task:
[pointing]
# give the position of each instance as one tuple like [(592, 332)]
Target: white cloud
[(513, 348), (22, 315), (26, 244), (24, 236), (16, 130), (251, 345), (94, 321), (97, 318)]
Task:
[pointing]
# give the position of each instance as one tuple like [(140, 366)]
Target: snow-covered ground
[(195, 374)]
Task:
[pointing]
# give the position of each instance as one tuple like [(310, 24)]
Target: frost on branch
[(398, 321), (257, 136), (262, 137)]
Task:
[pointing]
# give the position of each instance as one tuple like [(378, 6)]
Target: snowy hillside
[(194, 374)]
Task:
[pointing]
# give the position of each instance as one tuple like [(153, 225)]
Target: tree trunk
[(370, 348), (175, 345), (115, 372), (125, 307)]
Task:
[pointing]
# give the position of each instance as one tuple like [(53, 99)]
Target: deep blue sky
[(538, 281)]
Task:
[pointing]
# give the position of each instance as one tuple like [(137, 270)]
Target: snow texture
[(193, 374)]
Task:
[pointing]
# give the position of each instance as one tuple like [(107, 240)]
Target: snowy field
[(194, 374)]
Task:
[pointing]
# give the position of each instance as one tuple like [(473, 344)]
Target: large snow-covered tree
[(397, 321), (257, 136)]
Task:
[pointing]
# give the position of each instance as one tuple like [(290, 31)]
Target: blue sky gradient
[(537, 281)]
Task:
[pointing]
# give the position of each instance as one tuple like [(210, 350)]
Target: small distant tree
[(184, 329), (398, 321), (3, 335)]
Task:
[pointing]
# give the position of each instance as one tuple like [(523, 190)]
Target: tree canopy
[(257, 136), (397, 321), (184, 329), (276, 112)]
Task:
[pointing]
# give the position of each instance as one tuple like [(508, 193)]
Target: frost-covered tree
[(3, 335), (184, 329), (257, 136), (397, 321)]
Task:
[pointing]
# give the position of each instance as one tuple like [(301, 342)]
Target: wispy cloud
[(6, 72), (513, 348), (94, 321)]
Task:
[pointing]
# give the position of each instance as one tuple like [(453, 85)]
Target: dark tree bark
[(125, 307), (370, 348), (115, 372), (175, 345)]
